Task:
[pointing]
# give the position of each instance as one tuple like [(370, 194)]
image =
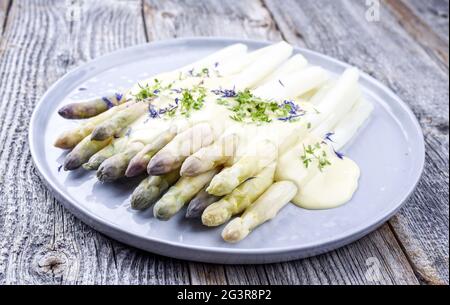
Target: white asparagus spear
[(116, 146), (294, 84), (119, 121), (237, 201), (183, 145), (293, 64), (263, 209), (143, 131), (199, 203), (69, 139), (140, 130), (239, 63), (83, 151), (218, 153), (264, 153), (341, 93), (95, 157), (179, 194), (114, 167), (151, 188), (262, 66), (224, 55), (349, 125), (321, 92), (338, 114), (139, 163)]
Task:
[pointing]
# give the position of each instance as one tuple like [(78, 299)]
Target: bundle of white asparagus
[(236, 133)]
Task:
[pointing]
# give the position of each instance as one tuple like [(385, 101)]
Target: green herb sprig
[(315, 152), (149, 91), (192, 100), (251, 109)]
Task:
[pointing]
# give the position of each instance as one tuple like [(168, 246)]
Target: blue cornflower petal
[(118, 96), (328, 136), (224, 92), (152, 111), (338, 154), (108, 102)]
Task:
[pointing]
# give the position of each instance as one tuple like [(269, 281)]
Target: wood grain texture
[(430, 40), (231, 18), (4, 11), (375, 259), (42, 243), (434, 13), (390, 54)]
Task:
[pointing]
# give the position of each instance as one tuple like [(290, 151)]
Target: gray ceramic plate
[(389, 149)]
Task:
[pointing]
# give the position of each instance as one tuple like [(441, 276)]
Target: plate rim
[(282, 253)]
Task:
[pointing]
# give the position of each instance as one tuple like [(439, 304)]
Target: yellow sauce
[(329, 187)]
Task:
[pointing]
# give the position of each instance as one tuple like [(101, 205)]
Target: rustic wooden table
[(40, 40)]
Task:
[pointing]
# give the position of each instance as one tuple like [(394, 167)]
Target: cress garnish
[(315, 153)]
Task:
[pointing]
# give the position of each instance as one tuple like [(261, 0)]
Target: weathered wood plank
[(387, 52), (41, 242), (207, 274), (434, 13), (233, 18), (165, 19), (432, 42), (4, 10), (247, 275), (375, 259)]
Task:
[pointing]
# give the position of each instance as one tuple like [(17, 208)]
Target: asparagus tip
[(134, 169), (62, 143), (100, 134), (89, 166), (191, 167), (213, 218), (235, 231), (193, 210), (107, 174), (161, 164), (161, 213), (66, 112), (72, 162), (142, 199)]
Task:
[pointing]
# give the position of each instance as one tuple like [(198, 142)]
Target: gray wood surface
[(432, 12), (421, 19), (4, 7), (43, 39)]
